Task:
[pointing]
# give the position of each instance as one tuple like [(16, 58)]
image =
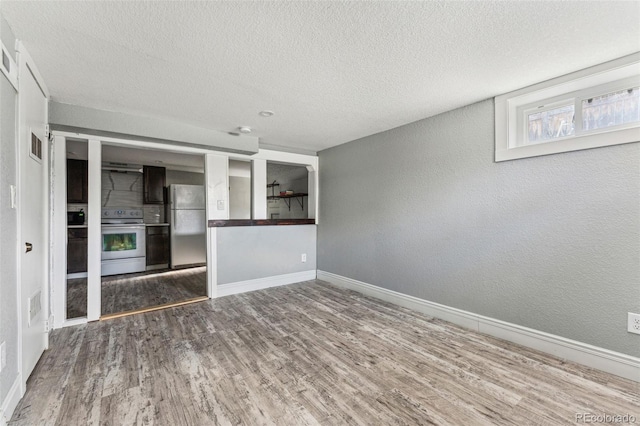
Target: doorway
[(153, 231), (33, 182)]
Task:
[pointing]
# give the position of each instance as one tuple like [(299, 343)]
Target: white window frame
[(512, 108)]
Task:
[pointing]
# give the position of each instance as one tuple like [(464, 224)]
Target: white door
[(33, 213)]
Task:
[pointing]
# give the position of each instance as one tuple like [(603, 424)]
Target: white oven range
[(123, 241)]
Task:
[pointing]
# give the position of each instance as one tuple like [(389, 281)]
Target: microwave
[(75, 218)]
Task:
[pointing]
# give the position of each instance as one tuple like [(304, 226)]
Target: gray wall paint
[(92, 121), (251, 252), (551, 243), (8, 224)]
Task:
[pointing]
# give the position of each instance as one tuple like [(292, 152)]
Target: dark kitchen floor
[(127, 292)]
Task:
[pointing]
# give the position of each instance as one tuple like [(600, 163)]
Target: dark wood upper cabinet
[(77, 181), (155, 179)]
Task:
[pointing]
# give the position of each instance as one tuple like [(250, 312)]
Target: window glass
[(551, 124), (119, 242), (611, 109), (571, 112)]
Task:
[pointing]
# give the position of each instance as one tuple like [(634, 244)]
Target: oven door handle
[(110, 226)]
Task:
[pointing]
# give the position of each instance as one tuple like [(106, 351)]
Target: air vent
[(35, 306)]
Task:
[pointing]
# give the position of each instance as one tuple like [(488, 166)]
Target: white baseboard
[(592, 356), (11, 401), (262, 283), (73, 322), (77, 275)]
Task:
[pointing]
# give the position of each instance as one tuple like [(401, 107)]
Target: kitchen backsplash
[(121, 189), (153, 214), (124, 190), (76, 207)]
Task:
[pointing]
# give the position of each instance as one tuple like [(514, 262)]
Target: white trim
[(23, 53), (287, 157), (58, 174), (12, 72), (73, 322), (18, 176), (592, 356), (94, 230), (262, 283), (573, 87), (216, 189), (259, 189), (212, 262), (263, 154), (26, 66), (10, 401), (76, 275)]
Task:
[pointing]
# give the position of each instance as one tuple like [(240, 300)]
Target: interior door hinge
[(47, 131)]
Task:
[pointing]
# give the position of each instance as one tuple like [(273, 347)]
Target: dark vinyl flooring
[(127, 292)]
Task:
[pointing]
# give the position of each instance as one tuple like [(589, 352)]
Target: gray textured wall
[(8, 225), (551, 243), (251, 252)]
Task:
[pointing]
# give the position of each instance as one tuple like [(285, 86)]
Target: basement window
[(599, 106)]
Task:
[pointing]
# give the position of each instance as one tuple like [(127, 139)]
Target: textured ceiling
[(331, 71)]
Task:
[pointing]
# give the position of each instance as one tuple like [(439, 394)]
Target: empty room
[(319, 212)]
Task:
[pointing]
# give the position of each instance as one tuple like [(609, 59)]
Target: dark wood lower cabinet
[(157, 242), (77, 250)]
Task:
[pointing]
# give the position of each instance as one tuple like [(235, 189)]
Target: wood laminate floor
[(305, 354), (127, 292)]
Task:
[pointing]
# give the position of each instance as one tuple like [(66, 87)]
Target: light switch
[(14, 203)]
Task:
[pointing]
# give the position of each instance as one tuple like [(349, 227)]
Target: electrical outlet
[(633, 323), (303, 258), (3, 355), (220, 204)]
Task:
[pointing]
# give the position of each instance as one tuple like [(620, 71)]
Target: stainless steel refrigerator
[(188, 225)]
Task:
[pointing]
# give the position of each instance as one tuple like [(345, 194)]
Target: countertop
[(259, 222), (145, 224)]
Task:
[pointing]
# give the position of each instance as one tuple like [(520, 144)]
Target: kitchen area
[(153, 234)]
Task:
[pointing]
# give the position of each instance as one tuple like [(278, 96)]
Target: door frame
[(27, 65), (216, 168), (59, 197)]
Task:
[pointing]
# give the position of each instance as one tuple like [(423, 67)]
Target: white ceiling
[(331, 71)]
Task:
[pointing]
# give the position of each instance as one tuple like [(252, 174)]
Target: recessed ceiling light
[(266, 113), (159, 161), (244, 129)]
